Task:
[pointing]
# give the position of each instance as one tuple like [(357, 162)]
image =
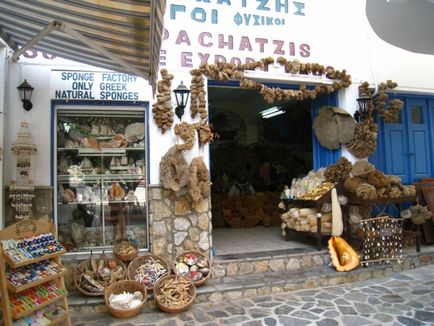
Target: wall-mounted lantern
[(26, 90), (364, 102), (181, 95)]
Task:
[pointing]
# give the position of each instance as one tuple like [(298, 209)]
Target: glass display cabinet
[(101, 187)]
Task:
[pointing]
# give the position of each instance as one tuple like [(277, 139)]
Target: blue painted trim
[(322, 156)]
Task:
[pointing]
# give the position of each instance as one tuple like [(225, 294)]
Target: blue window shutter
[(322, 156)]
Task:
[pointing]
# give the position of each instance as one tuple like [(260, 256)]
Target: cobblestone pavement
[(405, 298)]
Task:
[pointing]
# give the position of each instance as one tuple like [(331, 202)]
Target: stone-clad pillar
[(177, 225)]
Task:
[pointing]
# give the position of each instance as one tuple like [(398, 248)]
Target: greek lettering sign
[(235, 31), (96, 85)]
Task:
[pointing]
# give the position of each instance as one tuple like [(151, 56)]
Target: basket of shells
[(147, 269), (173, 293), (92, 276), (126, 298), (125, 251), (193, 265)]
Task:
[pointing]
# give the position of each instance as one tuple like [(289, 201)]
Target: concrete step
[(267, 262), (251, 284)]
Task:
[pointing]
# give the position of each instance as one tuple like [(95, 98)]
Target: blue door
[(407, 145), (419, 149), (322, 156)]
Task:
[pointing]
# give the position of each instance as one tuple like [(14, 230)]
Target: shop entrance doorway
[(259, 148)]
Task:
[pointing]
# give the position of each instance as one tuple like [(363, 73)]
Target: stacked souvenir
[(31, 273), (304, 185), (31, 298), (45, 316), (193, 265), (30, 248)]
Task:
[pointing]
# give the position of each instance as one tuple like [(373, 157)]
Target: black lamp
[(181, 94), (26, 90), (363, 101)]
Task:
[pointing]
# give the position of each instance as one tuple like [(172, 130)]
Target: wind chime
[(22, 188), (382, 241)]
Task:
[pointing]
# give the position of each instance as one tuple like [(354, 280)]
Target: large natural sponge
[(333, 126), (362, 168), (198, 183), (187, 132), (339, 171), (378, 179), (173, 169), (352, 183), (366, 192), (162, 109), (364, 140)]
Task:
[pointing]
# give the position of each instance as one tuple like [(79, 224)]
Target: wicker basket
[(139, 261), (125, 286), (86, 265), (174, 308), (128, 257), (199, 255)]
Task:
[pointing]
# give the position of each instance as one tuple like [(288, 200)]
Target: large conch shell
[(343, 257)]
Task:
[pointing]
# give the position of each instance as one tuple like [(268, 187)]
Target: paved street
[(405, 298)]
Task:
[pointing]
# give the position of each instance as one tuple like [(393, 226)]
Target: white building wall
[(332, 32)]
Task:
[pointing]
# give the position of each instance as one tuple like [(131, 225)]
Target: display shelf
[(59, 319), (325, 198), (102, 177), (17, 289), (104, 202), (14, 264), (38, 307), (22, 230), (111, 172), (102, 151)]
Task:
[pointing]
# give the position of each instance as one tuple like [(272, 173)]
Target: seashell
[(116, 191), (194, 268), (190, 259), (343, 256), (196, 276), (204, 271), (138, 295), (112, 264), (86, 164), (135, 132), (104, 272), (202, 262), (181, 268)]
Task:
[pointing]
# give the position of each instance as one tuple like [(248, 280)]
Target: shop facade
[(201, 33)]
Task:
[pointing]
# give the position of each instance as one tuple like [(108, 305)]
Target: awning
[(120, 35)]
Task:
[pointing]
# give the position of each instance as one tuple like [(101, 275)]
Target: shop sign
[(235, 31), (96, 85)]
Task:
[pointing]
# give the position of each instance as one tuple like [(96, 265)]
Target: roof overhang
[(119, 35)]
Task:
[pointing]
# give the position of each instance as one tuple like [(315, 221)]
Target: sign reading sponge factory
[(96, 85)]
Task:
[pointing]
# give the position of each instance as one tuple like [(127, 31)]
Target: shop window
[(101, 178), (416, 115)]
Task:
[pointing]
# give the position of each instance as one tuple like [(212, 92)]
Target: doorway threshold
[(256, 242)]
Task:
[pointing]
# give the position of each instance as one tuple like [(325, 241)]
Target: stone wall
[(177, 225)]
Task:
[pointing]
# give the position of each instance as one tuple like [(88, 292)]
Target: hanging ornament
[(21, 188)]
